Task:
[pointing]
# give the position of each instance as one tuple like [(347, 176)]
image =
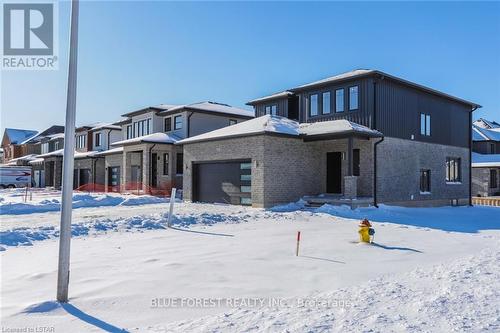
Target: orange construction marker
[(298, 241)]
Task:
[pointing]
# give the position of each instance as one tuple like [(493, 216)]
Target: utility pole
[(68, 161)]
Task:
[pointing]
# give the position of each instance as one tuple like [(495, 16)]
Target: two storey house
[(363, 137), (486, 158)]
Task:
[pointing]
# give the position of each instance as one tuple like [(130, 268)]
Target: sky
[(137, 54)]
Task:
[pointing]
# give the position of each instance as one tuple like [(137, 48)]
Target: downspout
[(470, 155), (189, 124), (374, 126), (150, 173)]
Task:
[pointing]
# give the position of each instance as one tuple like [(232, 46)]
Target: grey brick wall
[(398, 177), (481, 182)]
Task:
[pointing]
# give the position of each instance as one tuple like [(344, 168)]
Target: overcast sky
[(136, 54)]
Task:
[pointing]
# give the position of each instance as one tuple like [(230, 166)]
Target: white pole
[(68, 162), (171, 211)]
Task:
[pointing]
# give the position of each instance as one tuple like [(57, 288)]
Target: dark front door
[(334, 172), (114, 179), (154, 170), (84, 177)]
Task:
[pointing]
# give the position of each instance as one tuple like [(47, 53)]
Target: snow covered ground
[(429, 270)]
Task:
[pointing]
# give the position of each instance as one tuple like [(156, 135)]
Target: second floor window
[(353, 98), (425, 124), (177, 122), (326, 103), (56, 145), (271, 109), (81, 141), (168, 124), (339, 100), (142, 127), (98, 139), (45, 148), (313, 105), (425, 181), (492, 148), (129, 132), (453, 169)]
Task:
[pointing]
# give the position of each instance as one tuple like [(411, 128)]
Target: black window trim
[(343, 99), (428, 186), (175, 122), (349, 98)]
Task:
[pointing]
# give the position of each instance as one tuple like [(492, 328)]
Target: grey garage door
[(223, 182)]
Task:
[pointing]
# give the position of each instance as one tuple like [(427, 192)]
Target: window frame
[(453, 171), (98, 139), (357, 97), (316, 95), (323, 94), (176, 123), (167, 124), (425, 124), (337, 110), (425, 187)]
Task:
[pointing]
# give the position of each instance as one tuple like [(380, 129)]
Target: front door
[(154, 170), (334, 172), (114, 179)]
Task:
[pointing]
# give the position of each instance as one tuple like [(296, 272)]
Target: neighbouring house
[(485, 158), (12, 143), (147, 160), (359, 138), (1, 156)]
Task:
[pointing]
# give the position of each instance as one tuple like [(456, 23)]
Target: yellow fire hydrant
[(365, 231)]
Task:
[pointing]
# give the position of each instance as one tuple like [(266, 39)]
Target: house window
[(493, 179), (353, 98), (245, 201), (177, 122), (98, 139), (45, 148), (245, 166), (56, 145), (425, 181), (453, 169), (165, 164), (326, 103), (425, 124), (167, 124), (313, 105), (355, 162), (492, 148), (339, 100), (130, 134), (268, 109), (179, 163), (245, 189), (80, 141), (232, 122), (142, 127), (245, 177), (274, 110)]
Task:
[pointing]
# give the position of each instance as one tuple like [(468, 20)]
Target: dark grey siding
[(260, 109), (398, 115), (362, 116), (484, 147)]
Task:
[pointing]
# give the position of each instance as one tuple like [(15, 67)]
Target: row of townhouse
[(363, 137)]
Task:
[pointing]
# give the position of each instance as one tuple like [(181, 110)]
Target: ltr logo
[(28, 29)]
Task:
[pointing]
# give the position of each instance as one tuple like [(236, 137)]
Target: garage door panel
[(222, 182)]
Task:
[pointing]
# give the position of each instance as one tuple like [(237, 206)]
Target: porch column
[(349, 156), (145, 169)]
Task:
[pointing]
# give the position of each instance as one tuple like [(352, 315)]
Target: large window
[(81, 141), (142, 127), (165, 164), (271, 109), (177, 122), (353, 98), (326, 103), (339, 100), (313, 105), (453, 169), (179, 163), (167, 126), (493, 179), (98, 139), (425, 181), (425, 124), (45, 148)]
